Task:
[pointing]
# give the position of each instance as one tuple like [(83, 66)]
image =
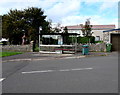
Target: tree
[(86, 29), (28, 21), (12, 26), (57, 28), (66, 36)]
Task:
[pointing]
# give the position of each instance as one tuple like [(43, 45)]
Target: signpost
[(40, 28)]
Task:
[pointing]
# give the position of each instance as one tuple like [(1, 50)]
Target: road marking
[(45, 71), (81, 69), (1, 79), (64, 70)]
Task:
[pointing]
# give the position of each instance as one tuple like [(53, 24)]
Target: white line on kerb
[(1, 79), (64, 70)]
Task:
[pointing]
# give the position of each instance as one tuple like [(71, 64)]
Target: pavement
[(28, 56)]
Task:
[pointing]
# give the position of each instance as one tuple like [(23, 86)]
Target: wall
[(92, 47), (19, 48), (29, 48), (95, 32), (98, 33), (107, 36)]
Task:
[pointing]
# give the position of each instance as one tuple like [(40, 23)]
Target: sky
[(69, 12)]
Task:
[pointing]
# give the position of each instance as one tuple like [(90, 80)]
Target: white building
[(96, 29)]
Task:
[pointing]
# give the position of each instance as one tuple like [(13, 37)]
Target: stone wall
[(92, 47), (19, 48), (29, 48)]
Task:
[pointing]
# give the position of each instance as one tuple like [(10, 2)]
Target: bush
[(98, 41), (36, 49), (82, 40)]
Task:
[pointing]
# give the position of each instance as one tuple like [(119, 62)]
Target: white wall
[(95, 33), (98, 33)]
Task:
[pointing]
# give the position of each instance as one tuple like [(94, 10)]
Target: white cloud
[(93, 1), (108, 5), (6, 5), (63, 9)]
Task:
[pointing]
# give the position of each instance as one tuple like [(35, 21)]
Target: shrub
[(89, 39), (98, 41), (36, 49)]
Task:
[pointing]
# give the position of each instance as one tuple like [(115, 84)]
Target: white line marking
[(81, 69), (45, 71), (1, 79), (65, 70)]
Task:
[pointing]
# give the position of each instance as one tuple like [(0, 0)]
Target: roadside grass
[(4, 54)]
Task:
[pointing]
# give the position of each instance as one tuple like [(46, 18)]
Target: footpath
[(39, 56)]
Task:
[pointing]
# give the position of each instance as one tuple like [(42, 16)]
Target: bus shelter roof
[(62, 34)]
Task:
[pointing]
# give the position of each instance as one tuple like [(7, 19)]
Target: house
[(112, 36), (107, 34), (96, 29)]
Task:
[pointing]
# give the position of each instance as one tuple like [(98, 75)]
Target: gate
[(115, 40)]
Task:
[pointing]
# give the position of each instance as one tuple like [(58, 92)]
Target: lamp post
[(40, 28)]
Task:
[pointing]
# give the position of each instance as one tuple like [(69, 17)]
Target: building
[(96, 29), (112, 36)]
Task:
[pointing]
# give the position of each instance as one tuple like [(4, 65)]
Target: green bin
[(108, 47), (85, 49)]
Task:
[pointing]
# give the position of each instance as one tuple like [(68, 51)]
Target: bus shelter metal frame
[(62, 34)]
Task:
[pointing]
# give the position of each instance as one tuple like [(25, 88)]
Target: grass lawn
[(3, 54)]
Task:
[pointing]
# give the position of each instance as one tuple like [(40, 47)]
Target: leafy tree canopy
[(28, 21)]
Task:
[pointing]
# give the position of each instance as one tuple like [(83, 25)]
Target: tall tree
[(28, 21), (66, 36), (86, 29)]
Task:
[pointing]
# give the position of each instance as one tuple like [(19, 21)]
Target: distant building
[(96, 29)]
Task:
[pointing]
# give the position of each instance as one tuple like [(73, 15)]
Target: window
[(97, 38)]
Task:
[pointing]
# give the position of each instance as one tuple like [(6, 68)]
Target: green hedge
[(82, 40), (90, 39)]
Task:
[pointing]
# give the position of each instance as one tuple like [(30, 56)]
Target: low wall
[(92, 47), (29, 48), (19, 48)]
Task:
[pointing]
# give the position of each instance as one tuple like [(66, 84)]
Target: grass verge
[(4, 54)]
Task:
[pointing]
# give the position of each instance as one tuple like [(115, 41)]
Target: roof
[(100, 27), (112, 30), (59, 34)]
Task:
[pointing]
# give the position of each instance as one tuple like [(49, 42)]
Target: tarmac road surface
[(71, 75)]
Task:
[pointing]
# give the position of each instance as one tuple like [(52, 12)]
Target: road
[(66, 75)]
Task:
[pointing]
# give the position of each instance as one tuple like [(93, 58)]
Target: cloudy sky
[(69, 12)]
